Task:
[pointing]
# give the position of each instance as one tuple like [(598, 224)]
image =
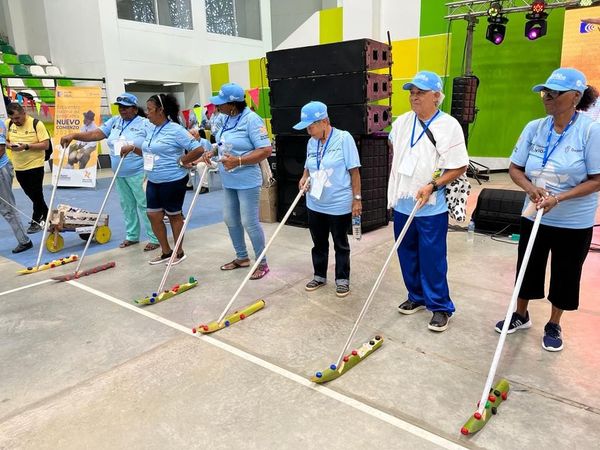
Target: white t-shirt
[(450, 152)]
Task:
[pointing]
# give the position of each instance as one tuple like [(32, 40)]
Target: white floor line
[(374, 412), (25, 287)]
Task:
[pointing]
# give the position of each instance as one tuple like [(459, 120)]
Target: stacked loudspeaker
[(339, 76)]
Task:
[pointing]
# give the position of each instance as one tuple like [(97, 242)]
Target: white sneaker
[(177, 259)]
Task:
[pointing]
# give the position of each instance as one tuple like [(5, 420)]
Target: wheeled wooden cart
[(69, 218)]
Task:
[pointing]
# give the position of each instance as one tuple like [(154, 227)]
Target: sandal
[(127, 243), (235, 264), (260, 272), (151, 246)]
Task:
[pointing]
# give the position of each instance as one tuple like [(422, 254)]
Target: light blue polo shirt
[(4, 158), (133, 130), (167, 143), (340, 155), (246, 132), (576, 156)]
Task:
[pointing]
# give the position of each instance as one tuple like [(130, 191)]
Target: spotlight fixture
[(536, 25), (494, 9), (496, 29)]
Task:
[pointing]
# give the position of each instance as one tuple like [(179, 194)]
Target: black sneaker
[(410, 307), (313, 285), (34, 228), (439, 321), (341, 290), (22, 247), (552, 340), (160, 258), (517, 322)]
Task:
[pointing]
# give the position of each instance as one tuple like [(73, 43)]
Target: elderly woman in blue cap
[(243, 143), (332, 169), (429, 153), (126, 129), (557, 163)]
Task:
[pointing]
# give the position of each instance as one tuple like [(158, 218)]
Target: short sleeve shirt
[(133, 131), (450, 148), (569, 163), (166, 144), (245, 133), (336, 158)]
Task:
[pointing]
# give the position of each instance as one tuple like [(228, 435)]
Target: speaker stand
[(478, 171)]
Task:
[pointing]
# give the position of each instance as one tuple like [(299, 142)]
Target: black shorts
[(167, 197), (569, 248)]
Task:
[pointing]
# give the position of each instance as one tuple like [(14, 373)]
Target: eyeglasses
[(551, 94)]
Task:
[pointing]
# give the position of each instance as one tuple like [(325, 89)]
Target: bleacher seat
[(35, 83), (64, 82), (15, 83), (20, 69), (6, 48), (26, 59), (5, 70), (10, 59), (37, 70), (53, 71), (40, 60), (47, 95)]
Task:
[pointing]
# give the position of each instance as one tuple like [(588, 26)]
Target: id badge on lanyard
[(317, 183), (148, 161), (118, 145)]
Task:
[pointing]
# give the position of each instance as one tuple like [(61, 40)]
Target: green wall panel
[(331, 25), (258, 73), (219, 75), (432, 17), (507, 73)]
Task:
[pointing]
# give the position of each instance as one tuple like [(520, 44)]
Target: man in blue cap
[(429, 153), (332, 165)]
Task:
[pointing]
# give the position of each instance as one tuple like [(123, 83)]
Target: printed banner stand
[(77, 110)]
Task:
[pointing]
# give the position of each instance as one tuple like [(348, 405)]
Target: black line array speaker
[(339, 89), (498, 211), (355, 119), (374, 172), (343, 57), (464, 93)]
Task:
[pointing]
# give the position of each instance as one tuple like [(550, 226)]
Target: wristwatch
[(358, 197), (434, 184), (26, 146)]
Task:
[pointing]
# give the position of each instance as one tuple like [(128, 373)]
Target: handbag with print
[(457, 192)]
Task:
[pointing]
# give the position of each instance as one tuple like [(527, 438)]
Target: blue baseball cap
[(564, 79), (229, 92), (311, 112), (126, 99), (426, 81)]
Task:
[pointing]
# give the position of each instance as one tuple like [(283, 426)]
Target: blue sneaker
[(517, 322), (552, 340)]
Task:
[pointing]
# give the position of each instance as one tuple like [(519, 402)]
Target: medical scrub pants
[(423, 262), (133, 203)]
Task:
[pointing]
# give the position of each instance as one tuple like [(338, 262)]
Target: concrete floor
[(81, 366)]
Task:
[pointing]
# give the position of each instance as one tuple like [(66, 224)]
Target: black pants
[(569, 248), (32, 181), (321, 225)]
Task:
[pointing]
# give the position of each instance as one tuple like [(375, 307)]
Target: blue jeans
[(240, 212), (423, 260)]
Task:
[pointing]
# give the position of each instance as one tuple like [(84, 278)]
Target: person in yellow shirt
[(28, 146)]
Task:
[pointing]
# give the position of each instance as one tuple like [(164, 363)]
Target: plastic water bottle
[(471, 231), (356, 228)]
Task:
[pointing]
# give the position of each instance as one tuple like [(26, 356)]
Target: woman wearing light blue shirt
[(128, 128), (243, 143), (557, 163), (165, 145), (332, 165)]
